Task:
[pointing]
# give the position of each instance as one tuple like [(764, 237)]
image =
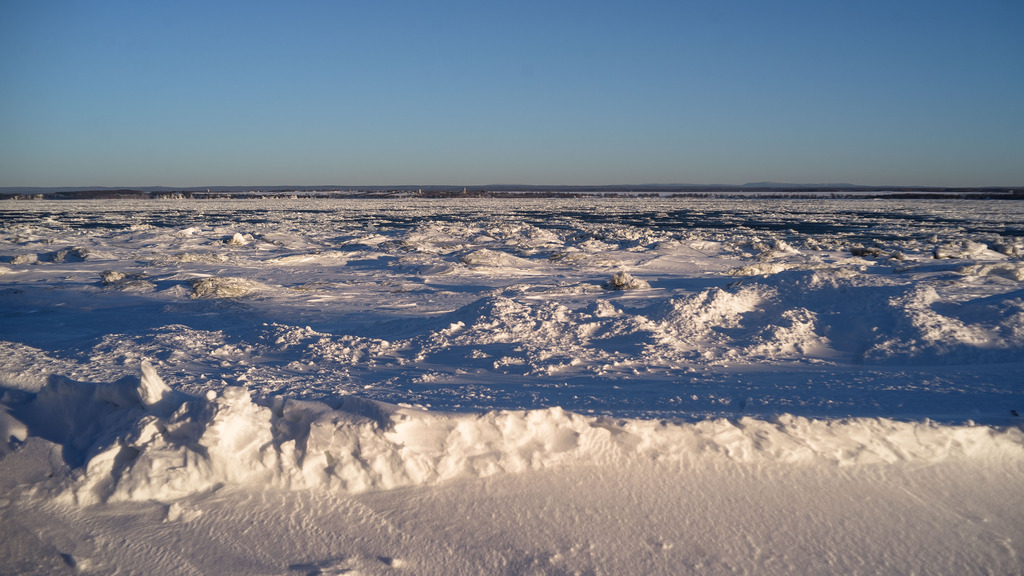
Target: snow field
[(547, 387), (421, 303)]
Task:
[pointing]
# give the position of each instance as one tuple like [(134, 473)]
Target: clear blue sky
[(143, 93)]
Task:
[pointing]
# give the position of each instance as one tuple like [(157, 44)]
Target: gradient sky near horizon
[(204, 93)]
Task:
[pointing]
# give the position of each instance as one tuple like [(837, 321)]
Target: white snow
[(511, 387)]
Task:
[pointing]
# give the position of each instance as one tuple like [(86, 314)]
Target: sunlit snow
[(589, 386)]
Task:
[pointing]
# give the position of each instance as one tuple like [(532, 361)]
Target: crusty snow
[(591, 386)]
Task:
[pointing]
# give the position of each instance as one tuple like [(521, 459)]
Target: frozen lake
[(470, 386), (815, 307)]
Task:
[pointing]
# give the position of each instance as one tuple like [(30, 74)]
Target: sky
[(207, 93)]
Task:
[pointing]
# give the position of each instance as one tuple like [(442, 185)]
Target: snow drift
[(135, 439)]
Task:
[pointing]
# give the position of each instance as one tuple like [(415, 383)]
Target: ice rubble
[(373, 298), (136, 439), (797, 314), (286, 341)]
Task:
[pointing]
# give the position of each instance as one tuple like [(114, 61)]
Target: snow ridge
[(134, 439)]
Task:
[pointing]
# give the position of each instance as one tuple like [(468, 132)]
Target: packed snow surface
[(503, 386)]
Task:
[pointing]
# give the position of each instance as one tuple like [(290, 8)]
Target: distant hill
[(790, 186)]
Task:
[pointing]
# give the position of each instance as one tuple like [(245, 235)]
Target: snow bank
[(135, 439)]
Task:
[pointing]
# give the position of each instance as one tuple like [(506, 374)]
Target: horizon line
[(513, 186)]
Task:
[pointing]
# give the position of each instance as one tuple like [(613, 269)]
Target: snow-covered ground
[(596, 386)]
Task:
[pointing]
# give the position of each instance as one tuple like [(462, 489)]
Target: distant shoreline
[(508, 191)]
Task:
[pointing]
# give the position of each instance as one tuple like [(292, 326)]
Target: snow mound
[(700, 319), (222, 287), (925, 327), (125, 281), (239, 239), (1011, 270), (537, 336), (12, 431), (193, 257), (795, 335), (134, 439), (625, 281), (83, 416), (69, 254), (965, 249), (761, 269), (25, 259), (486, 258)]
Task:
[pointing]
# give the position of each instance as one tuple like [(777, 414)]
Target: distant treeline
[(652, 191)]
